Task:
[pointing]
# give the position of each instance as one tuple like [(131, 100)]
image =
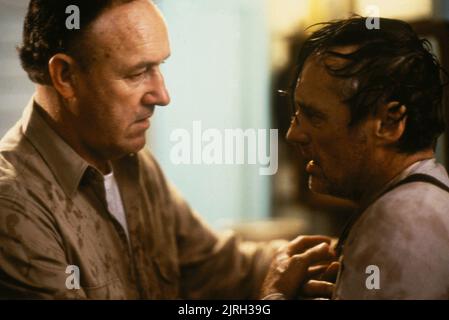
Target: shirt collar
[(66, 165)]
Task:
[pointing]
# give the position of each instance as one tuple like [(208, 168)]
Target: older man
[(368, 113), (84, 211)]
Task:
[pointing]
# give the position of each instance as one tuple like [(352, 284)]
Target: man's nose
[(157, 93), (296, 134)]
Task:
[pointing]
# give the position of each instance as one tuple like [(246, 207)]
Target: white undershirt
[(114, 200)]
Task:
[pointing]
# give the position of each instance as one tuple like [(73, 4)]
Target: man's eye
[(307, 113), (137, 75), (310, 114)]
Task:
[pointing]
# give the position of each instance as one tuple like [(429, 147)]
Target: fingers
[(316, 271), (289, 272), (315, 288), (302, 262), (314, 255), (333, 244), (302, 243), (330, 275), (328, 272)]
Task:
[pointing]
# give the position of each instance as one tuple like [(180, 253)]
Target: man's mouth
[(143, 122), (144, 118)]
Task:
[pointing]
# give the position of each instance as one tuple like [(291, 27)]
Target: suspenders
[(412, 178)]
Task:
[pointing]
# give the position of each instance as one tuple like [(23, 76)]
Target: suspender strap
[(419, 177)]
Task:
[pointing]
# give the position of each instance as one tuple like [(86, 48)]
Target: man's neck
[(387, 171), (51, 108)]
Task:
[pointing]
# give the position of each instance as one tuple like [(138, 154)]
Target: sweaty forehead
[(315, 81)]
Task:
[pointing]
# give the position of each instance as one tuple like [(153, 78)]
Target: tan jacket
[(53, 214)]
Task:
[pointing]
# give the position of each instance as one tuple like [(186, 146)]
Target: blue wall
[(218, 74)]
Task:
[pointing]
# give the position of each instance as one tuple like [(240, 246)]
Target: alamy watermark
[(373, 280), (372, 13), (73, 20), (72, 282), (215, 147)]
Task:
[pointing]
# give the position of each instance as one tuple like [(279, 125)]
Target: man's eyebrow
[(146, 64), (309, 107), (304, 105)]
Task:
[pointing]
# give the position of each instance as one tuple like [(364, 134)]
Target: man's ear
[(61, 68), (391, 120)]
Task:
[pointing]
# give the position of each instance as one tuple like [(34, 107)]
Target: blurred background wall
[(15, 88), (228, 60), (218, 74)]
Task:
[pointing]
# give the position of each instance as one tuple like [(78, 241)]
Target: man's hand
[(322, 281), (293, 267)]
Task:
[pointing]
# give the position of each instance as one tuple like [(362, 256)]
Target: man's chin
[(137, 145), (133, 145), (317, 185)]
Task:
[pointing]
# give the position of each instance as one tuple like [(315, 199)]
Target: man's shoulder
[(12, 163), (16, 191), (13, 138), (405, 233), (18, 196), (413, 198), (21, 168), (419, 207), (418, 211), (15, 149)]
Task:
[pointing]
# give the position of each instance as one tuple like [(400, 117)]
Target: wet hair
[(45, 33), (388, 64)]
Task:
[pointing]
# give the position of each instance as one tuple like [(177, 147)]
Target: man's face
[(340, 153), (117, 93)]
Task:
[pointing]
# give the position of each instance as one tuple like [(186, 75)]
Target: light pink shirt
[(405, 233)]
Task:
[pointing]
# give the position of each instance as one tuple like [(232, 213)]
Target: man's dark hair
[(389, 64), (45, 33)]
